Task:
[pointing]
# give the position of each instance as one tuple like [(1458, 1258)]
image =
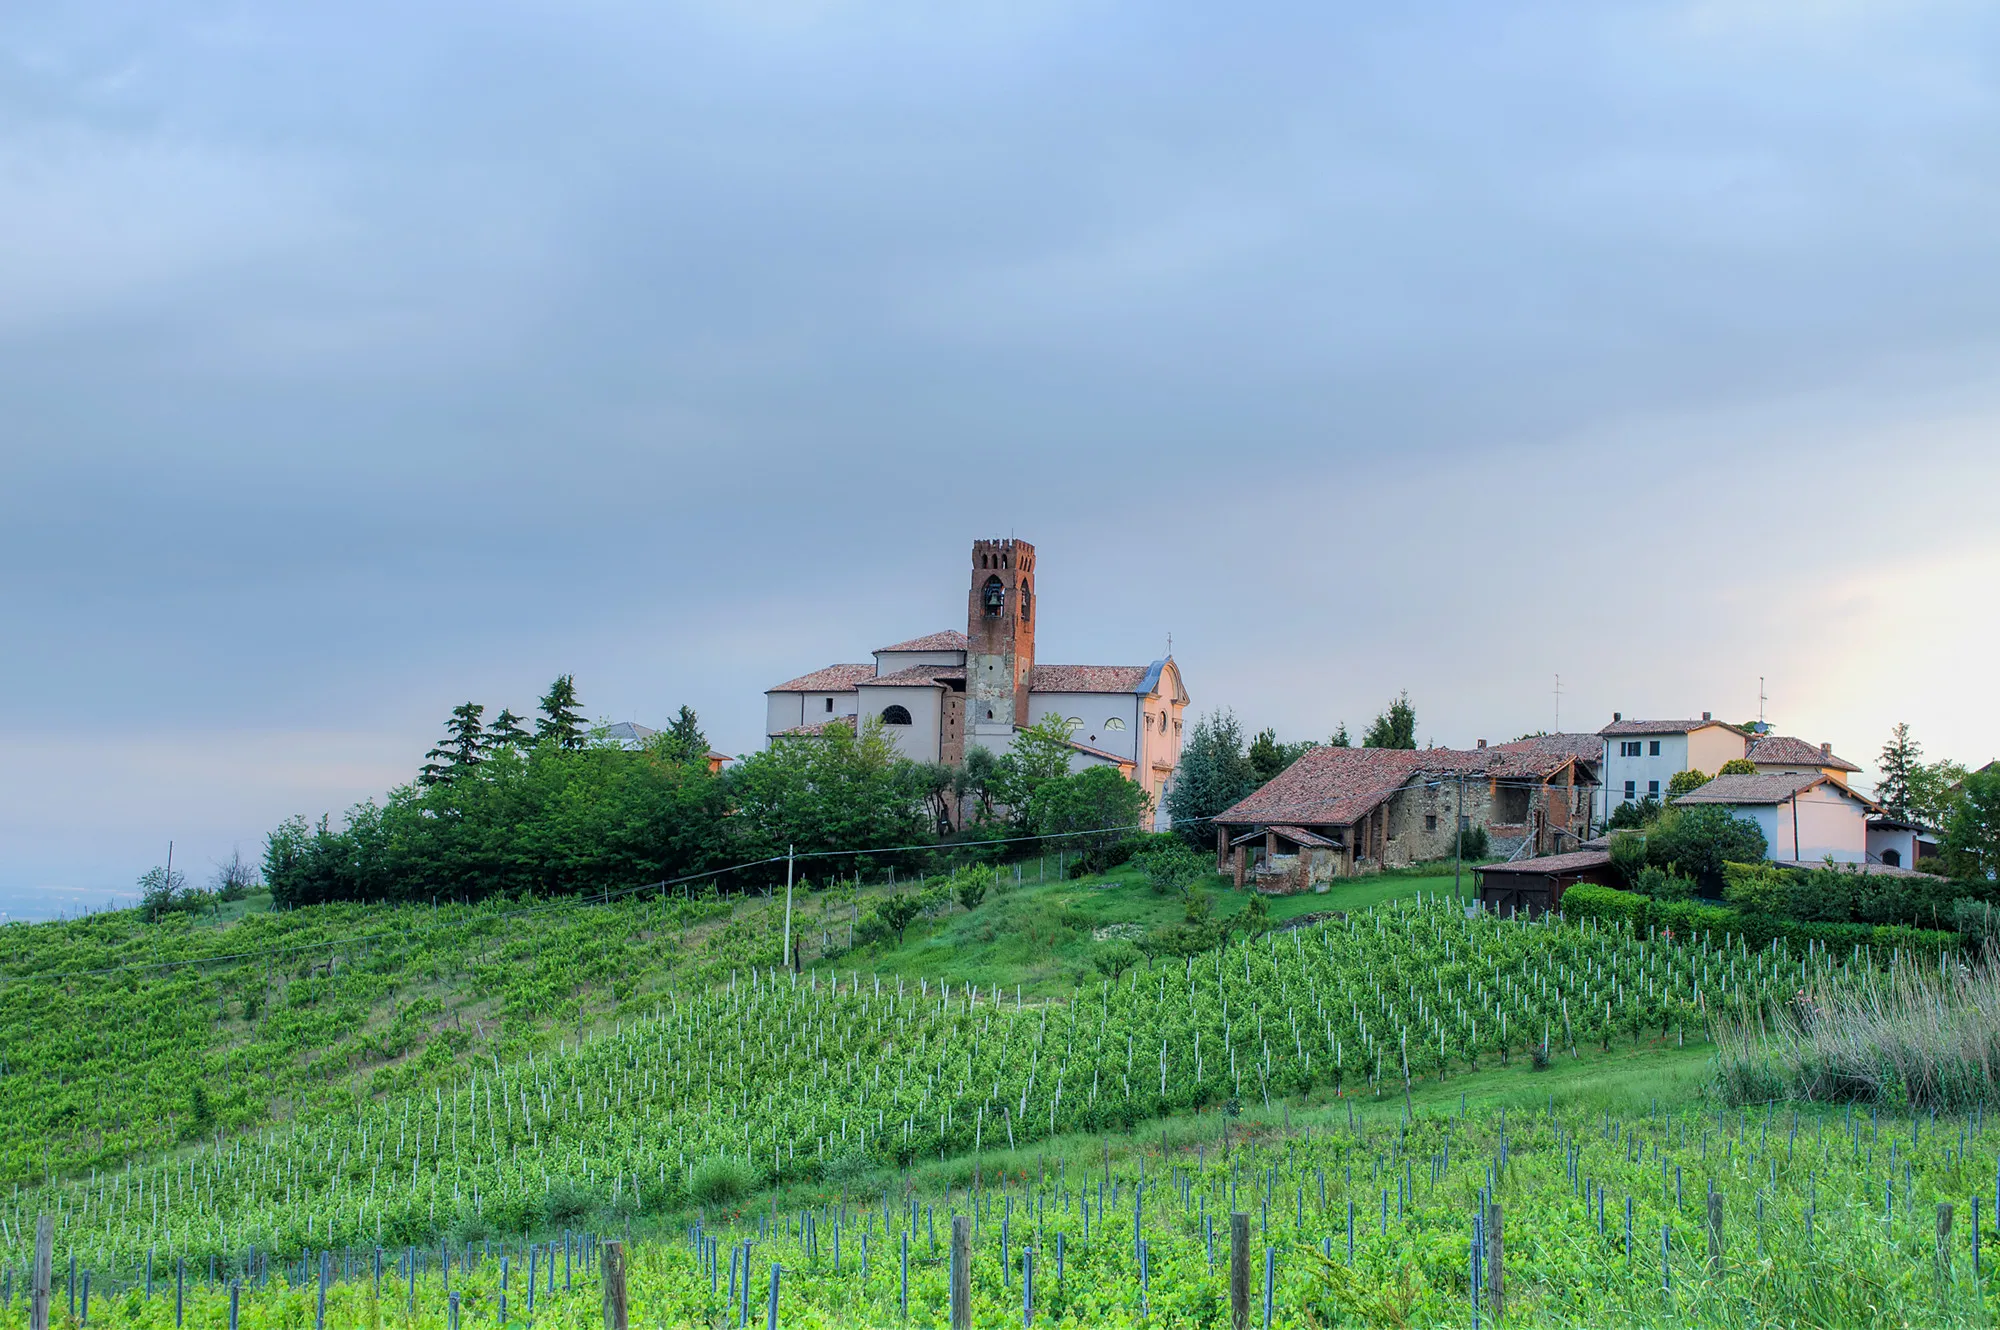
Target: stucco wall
[(918, 740), (1904, 843), (1831, 822), (1645, 768), (888, 662), (1093, 709), (783, 711), (1709, 748)]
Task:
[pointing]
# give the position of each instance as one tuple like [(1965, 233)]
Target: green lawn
[(1040, 936)]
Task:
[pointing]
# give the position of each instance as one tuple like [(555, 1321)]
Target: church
[(939, 693)]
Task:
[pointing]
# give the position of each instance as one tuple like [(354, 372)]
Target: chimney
[(1617, 716), (1826, 750), (1482, 743), (1707, 716)]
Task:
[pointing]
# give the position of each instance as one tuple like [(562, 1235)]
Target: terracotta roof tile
[(1577, 861), (948, 640), (817, 728), (1783, 749), (917, 676), (1629, 727), (1338, 786), (1766, 787), (832, 679), (1088, 678)]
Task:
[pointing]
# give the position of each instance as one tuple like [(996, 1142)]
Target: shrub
[(1628, 855), (1699, 840), (1471, 844), (1738, 766), (1635, 815), (1172, 867), (896, 912), (719, 1179), (1195, 905), (565, 1202), (1684, 781), (970, 885), (1586, 900), (1114, 958), (1663, 884)]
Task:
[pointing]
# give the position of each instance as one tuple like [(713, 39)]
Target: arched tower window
[(1027, 598), (991, 596), (896, 714)]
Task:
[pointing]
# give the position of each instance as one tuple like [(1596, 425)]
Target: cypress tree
[(560, 720)]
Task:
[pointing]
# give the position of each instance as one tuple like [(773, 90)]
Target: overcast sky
[(357, 360)]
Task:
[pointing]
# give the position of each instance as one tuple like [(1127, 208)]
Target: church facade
[(940, 694)]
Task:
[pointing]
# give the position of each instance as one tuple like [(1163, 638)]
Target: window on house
[(1631, 790), (1076, 722), (1510, 803), (829, 704), (1653, 748), (1430, 821), (1630, 748), (1652, 789), (1893, 858), (1114, 723), (895, 715)]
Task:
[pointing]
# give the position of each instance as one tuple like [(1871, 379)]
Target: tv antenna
[(1559, 704), (1761, 700)]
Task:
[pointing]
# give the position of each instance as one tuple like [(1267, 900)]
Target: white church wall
[(888, 662), (1093, 710), (917, 741)]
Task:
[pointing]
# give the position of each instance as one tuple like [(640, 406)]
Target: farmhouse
[(1339, 811), (943, 693), (1806, 817)]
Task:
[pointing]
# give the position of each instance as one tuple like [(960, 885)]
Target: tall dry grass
[(1918, 1033)]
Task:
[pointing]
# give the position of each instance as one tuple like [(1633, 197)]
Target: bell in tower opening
[(993, 597)]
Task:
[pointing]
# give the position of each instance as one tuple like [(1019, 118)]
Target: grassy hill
[(120, 1037)]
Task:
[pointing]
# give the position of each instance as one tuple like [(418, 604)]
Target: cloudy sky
[(358, 360)]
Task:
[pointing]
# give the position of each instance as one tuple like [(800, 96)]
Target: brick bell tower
[(1000, 632)]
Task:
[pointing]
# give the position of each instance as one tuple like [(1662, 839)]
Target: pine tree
[(560, 720), (506, 730), (1340, 739), (1214, 773), (1394, 728), (1901, 757), (684, 741), (464, 746)]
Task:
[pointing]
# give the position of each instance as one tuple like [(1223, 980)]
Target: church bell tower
[(1000, 632)]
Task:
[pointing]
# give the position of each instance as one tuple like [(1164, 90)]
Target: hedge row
[(1588, 901)]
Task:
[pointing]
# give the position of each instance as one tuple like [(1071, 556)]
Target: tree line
[(566, 809)]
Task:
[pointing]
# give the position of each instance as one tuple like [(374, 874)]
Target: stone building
[(1340, 811), (940, 693)]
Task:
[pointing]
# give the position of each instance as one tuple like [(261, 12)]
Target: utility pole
[(789, 852), (1559, 704)]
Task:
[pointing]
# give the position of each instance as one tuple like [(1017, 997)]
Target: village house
[(1340, 811), (1807, 817), (939, 694), (1641, 757)]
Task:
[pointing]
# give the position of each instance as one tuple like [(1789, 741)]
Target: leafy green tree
[(1634, 814), (1214, 773), (1900, 760), (1268, 757), (1394, 728), (1257, 913), (1972, 840), (463, 748), (164, 891), (1340, 739), (1112, 959), (1041, 753), (838, 790), (1934, 792), (1738, 766), (683, 740), (1628, 855), (1698, 840), (970, 884), (507, 730), (975, 777), (898, 911), (561, 721), (1089, 810), (1684, 782)]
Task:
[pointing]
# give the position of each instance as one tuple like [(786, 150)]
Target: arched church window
[(1115, 723), (991, 597), (895, 715)]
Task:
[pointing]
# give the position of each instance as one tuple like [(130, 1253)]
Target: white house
[(1641, 757), (1807, 818)]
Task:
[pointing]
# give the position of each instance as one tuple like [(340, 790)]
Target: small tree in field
[(896, 912)]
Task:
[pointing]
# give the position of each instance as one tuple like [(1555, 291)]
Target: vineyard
[(1558, 1217), (785, 1078)]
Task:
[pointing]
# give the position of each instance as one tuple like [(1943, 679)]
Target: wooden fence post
[(1239, 1271), (1715, 1234), (961, 1272), (611, 1258), (38, 1290), (1496, 1258)]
